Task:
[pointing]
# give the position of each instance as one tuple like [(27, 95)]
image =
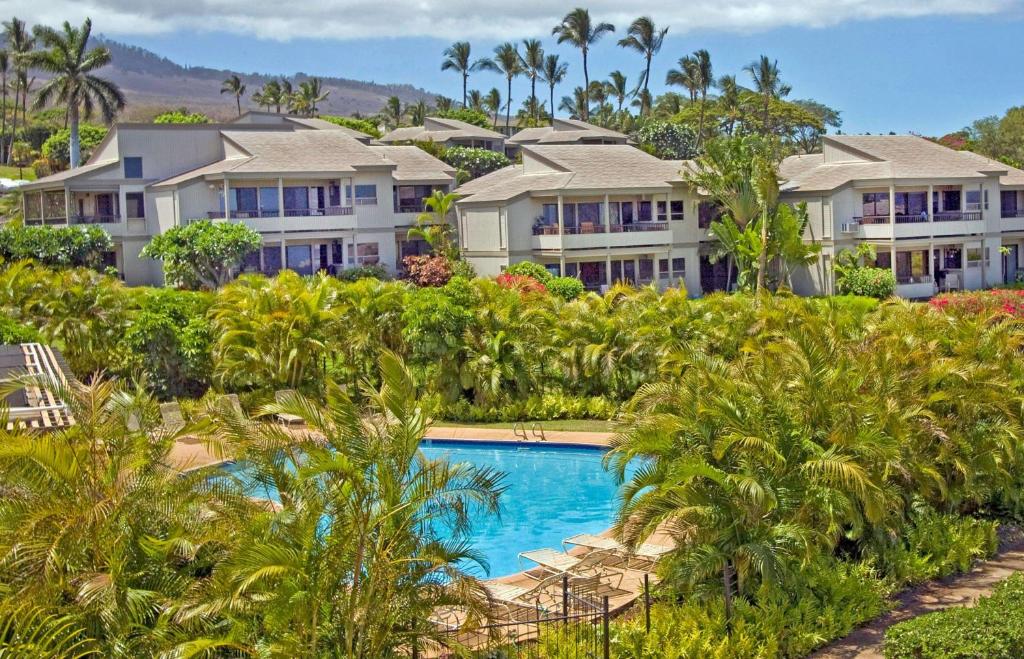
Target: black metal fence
[(570, 623)]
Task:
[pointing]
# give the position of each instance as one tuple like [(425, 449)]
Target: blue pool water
[(552, 492)]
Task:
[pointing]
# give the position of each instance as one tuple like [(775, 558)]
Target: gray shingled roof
[(414, 164), (68, 174), (565, 131), (440, 130)]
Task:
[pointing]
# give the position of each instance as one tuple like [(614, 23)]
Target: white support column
[(561, 216), (227, 199), (607, 215), (892, 204), (280, 197), (931, 208), (67, 205), (892, 259), (561, 265), (284, 253), (608, 269)]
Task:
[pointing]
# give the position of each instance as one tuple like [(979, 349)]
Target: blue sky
[(927, 66)]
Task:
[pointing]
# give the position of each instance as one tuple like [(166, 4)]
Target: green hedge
[(994, 629)]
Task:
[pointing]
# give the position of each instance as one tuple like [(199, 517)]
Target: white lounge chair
[(647, 552), (287, 419), (171, 417)]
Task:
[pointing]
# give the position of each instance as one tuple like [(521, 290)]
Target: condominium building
[(321, 198), (941, 219), (600, 212), (566, 131), (447, 133)]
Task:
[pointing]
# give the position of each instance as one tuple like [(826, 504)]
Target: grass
[(12, 172), (579, 425)]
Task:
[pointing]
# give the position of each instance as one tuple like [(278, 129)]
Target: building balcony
[(944, 223), (329, 218), (1012, 219), (588, 228), (586, 236), (97, 219)]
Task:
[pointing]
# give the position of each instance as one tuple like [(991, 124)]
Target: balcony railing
[(1012, 212), (99, 219), (586, 228), (957, 216), (288, 212), (945, 216)]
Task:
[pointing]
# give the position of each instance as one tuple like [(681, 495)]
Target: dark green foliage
[(56, 247), (202, 254), (866, 281), (667, 140), (374, 271), (993, 629), (57, 146), (181, 116), (530, 269), (468, 115), (362, 125), (476, 162), (12, 332), (567, 288)]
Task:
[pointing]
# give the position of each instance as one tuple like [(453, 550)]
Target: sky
[(924, 66)]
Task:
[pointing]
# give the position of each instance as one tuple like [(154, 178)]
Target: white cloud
[(466, 19)]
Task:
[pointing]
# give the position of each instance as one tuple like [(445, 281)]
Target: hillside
[(153, 83)]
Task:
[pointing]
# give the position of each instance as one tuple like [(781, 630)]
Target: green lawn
[(12, 172), (582, 425)]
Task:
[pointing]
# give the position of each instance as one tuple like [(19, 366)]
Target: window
[(296, 199), (133, 167), (589, 213), (413, 248), (912, 267), (569, 215), (883, 260), (409, 198), (675, 209), (245, 200), (365, 195), (336, 254), (365, 254), (1008, 203), (645, 211), (973, 199), (571, 269), (251, 262), (950, 201), (268, 202), (875, 204), (679, 265), (663, 265), (550, 214), (553, 269), (135, 205), (300, 259), (646, 269), (973, 257), (914, 204), (271, 260), (953, 259)]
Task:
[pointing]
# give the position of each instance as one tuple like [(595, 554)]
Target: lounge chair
[(287, 419), (232, 403), (599, 564), (171, 417), (648, 553)]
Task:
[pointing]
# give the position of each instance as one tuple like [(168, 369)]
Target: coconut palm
[(554, 73), (705, 80), (644, 38), (5, 65), (308, 96), (575, 105), (730, 101), (457, 58), (417, 112), (270, 95), (476, 100), (616, 88), (233, 85), (507, 62), (72, 83), (533, 67), (19, 44), (393, 112), (444, 104), (768, 84), (686, 76), (577, 29), (492, 103), (364, 519)]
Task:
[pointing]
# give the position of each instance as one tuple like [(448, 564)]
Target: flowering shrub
[(427, 271), (476, 162), (522, 283), (530, 269), (997, 301), (663, 139), (866, 281)]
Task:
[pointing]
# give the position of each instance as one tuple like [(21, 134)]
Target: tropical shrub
[(202, 254), (546, 407), (530, 269), (1006, 302), (57, 247), (667, 140), (57, 147), (427, 270), (992, 629), (567, 288), (467, 115), (522, 283), (12, 332), (370, 271), (867, 281), (362, 125), (476, 162), (181, 116)]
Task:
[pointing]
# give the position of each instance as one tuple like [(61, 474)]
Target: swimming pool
[(553, 492)]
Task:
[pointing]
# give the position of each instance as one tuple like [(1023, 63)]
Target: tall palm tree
[(457, 58), (5, 65), (475, 99), (492, 103), (287, 94), (434, 226), (577, 29), (730, 101), (616, 87), (533, 66), (575, 105), (309, 95), (417, 112), (72, 82), (705, 80), (444, 104), (233, 85), (19, 44), (686, 76), (507, 62), (768, 84), (645, 38), (554, 73), (271, 95), (393, 112)]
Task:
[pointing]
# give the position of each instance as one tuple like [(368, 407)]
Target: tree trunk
[(508, 105), (3, 119), (533, 97), (76, 148), (14, 118), (700, 125), (552, 106), (762, 258), (727, 575), (646, 96), (586, 89), (238, 103)]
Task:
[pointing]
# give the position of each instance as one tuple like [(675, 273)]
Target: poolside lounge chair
[(648, 553), (607, 566), (287, 419), (232, 403), (170, 414)]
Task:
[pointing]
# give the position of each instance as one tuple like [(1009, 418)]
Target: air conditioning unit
[(849, 227)]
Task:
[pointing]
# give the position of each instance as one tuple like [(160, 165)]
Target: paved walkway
[(959, 590), (471, 433)]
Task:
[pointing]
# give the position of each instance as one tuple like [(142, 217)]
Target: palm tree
[(364, 518), (270, 95), (417, 112), (768, 84), (72, 82), (19, 44), (393, 112), (4, 68), (577, 29), (730, 101), (457, 58), (533, 66), (434, 226), (644, 38), (507, 62), (309, 94), (476, 100), (554, 73), (287, 95), (686, 76), (233, 85), (575, 105), (705, 80), (616, 87), (492, 103), (444, 104)]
